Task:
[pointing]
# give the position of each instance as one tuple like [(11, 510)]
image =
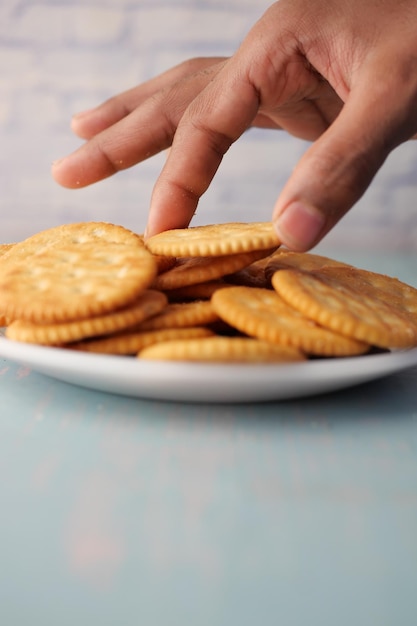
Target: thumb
[(338, 168)]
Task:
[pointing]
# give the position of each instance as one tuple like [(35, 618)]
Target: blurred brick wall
[(61, 56)]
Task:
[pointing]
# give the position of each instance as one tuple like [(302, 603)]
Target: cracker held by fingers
[(215, 239), (74, 271)]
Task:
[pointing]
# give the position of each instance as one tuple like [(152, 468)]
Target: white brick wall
[(61, 56)]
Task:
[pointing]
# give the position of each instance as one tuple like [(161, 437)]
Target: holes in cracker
[(42, 286), (78, 240), (87, 236)]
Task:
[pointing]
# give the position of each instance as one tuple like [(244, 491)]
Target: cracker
[(164, 263), (378, 286), (222, 350), (252, 275), (356, 303), (215, 239), (5, 247), (79, 286), (77, 233), (74, 271), (194, 270), (263, 314), (148, 304), (131, 342), (199, 291), (181, 315), (307, 261)]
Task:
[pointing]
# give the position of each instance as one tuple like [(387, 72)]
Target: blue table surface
[(123, 511)]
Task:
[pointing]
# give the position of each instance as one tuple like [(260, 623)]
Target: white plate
[(205, 382)]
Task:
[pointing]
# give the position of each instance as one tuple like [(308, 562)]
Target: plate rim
[(173, 380)]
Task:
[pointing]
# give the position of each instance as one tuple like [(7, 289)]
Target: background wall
[(61, 56)]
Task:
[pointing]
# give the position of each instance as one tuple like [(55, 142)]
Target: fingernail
[(299, 226)]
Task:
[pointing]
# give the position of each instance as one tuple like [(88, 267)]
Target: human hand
[(340, 73)]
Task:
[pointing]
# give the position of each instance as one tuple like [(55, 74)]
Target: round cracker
[(356, 303), (286, 259), (148, 304), (263, 314), (131, 342), (164, 263), (74, 272), (252, 275), (199, 291), (5, 247), (221, 350), (194, 270), (77, 233), (181, 315), (214, 239), (378, 286)]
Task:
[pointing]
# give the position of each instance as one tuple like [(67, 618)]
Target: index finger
[(216, 118)]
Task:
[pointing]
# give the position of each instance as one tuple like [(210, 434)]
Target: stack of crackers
[(219, 293)]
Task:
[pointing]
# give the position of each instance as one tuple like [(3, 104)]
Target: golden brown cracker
[(74, 272), (347, 301), (77, 234), (181, 315), (195, 270), (149, 303), (307, 261), (263, 314), (252, 275), (222, 350), (377, 286), (164, 263), (199, 291), (5, 247), (214, 239), (69, 284), (131, 342)]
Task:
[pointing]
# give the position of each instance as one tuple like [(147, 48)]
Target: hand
[(340, 73)]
